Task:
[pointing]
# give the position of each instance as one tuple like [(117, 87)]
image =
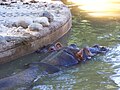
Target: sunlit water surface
[(99, 8), (100, 73)]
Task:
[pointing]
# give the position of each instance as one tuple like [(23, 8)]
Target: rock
[(35, 27), (23, 22), (2, 39), (48, 15), (42, 20)]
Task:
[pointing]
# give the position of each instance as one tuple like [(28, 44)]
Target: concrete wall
[(31, 46)]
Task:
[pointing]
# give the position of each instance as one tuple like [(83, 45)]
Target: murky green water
[(100, 73), (95, 74)]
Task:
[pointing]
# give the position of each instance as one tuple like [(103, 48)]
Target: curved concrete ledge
[(30, 46)]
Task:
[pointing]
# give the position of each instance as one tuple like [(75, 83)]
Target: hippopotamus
[(71, 55), (58, 58), (64, 57), (49, 65), (88, 52), (97, 49), (27, 76)]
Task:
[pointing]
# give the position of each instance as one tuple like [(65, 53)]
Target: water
[(100, 73), (99, 8)]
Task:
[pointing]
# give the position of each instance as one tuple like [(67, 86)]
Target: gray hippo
[(48, 65), (62, 57), (87, 53), (26, 77)]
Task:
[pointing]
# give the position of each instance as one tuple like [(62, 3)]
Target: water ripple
[(114, 58)]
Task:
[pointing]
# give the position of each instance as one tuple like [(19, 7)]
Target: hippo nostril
[(52, 48), (103, 49)]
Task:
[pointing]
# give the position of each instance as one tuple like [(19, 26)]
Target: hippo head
[(97, 49), (79, 54), (83, 54), (73, 48), (50, 48), (104, 49)]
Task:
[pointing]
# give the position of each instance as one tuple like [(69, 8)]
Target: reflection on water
[(99, 8), (88, 31), (81, 77)]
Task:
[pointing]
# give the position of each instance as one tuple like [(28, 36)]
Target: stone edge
[(32, 46)]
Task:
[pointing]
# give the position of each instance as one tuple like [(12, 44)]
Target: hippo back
[(26, 77), (61, 58)]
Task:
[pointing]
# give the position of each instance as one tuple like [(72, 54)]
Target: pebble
[(42, 20), (35, 27), (48, 15), (23, 22)]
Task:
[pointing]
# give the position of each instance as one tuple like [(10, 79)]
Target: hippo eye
[(51, 49), (96, 45)]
